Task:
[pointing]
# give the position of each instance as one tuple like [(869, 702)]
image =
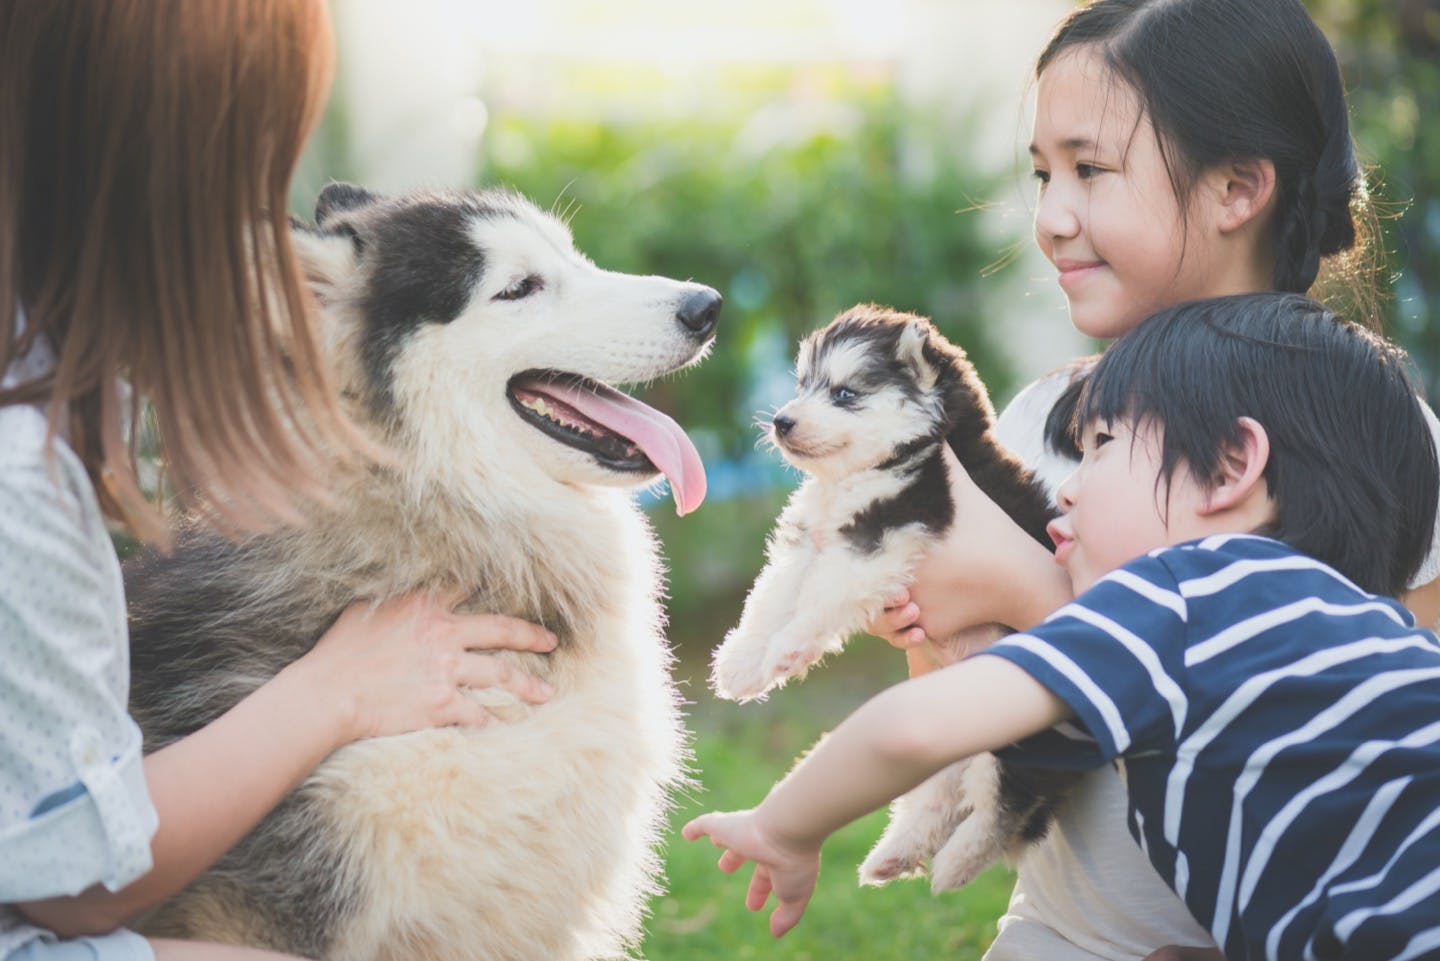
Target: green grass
[(740, 751)]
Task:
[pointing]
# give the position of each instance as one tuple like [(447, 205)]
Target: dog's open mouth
[(615, 429)]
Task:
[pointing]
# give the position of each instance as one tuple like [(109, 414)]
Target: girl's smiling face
[(1107, 216)]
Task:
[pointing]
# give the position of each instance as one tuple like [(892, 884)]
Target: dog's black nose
[(783, 424), (700, 311)]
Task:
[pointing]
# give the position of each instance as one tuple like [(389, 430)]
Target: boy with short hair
[(1257, 483)]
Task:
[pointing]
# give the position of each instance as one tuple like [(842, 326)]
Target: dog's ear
[(337, 198), (328, 258), (910, 351)]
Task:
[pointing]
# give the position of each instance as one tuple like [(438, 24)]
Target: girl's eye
[(1087, 171), (1041, 175), (1102, 438), (842, 394), (523, 287)]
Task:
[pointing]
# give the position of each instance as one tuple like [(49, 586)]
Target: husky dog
[(879, 395), (477, 344)]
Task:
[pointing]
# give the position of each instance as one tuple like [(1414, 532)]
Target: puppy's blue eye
[(842, 394), (523, 287)]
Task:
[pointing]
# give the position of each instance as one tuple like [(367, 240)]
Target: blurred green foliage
[(791, 225), (1389, 51)]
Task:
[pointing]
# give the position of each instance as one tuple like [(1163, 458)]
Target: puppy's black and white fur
[(879, 395)]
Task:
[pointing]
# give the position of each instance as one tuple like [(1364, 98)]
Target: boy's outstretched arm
[(892, 743)]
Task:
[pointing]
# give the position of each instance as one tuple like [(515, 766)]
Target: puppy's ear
[(328, 258), (910, 351), (336, 198)]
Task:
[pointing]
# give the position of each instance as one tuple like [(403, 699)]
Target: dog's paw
[(882, 866), (739, 672), (967, 854)]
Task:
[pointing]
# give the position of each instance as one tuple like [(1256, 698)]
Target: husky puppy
[(478, 345), (879, 395)]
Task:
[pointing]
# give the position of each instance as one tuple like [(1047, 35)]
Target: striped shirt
[(1279, 733)]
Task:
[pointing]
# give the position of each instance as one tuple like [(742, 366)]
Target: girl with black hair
[(1183, 149)]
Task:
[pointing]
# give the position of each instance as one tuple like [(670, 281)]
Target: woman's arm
[(399, 667), (891, 744)]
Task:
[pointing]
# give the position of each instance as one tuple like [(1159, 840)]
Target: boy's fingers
[(730, 862), (695, 830), (785, 917), (760, 888)]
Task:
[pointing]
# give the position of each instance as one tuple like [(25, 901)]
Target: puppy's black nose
[(783, 424), (700, 311)]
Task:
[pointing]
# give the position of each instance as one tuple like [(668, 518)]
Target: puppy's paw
[(739, 672), (967, 854), (885, 864)]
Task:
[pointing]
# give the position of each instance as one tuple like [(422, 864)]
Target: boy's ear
[(1242, 469), (1244, 188), (910, 350)]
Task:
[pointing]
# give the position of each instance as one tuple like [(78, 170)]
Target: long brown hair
[(146, 153)]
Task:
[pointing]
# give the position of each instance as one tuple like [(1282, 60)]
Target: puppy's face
[(864, 388)]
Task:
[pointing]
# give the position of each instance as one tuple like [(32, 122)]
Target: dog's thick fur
[(530, 838), (880, 394)]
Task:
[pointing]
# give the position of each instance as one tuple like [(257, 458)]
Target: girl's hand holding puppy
[(984, 570)]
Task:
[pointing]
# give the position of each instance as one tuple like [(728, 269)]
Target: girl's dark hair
[(1223, 79), (1352, 468)]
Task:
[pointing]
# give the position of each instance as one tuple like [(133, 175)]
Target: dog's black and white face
[(865, 387), (471, 330)]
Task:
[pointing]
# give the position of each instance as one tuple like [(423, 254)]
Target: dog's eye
[(842, 394), (523, 287)]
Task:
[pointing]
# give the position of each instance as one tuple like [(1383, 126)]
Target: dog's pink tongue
[(662, 440)]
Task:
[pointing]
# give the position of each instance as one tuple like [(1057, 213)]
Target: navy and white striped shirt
[(1279, 733)]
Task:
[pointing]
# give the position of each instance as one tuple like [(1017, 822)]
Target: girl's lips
[(1075, 271)]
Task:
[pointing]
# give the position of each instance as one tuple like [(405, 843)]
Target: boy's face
[(1114, 509)]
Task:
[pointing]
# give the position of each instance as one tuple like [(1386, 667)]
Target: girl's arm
[(891, 744), (1424, 603), (399, 667)]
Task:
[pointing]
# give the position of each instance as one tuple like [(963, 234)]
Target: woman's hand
[(404, 665), (787, 871)]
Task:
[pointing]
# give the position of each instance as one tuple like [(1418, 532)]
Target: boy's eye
[(523, 287), (1041, 175), (842, 394)]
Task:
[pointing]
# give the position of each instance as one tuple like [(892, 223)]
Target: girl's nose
[(1055, 216)]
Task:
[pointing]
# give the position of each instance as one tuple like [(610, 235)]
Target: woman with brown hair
[(146, 153)]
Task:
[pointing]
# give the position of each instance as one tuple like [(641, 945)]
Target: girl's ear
[(1242, 470), (1244, 188)]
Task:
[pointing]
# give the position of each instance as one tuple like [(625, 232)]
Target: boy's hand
[(789, 873)]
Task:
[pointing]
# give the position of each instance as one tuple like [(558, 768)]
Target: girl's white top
[(1086, 892), (74, 809)]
